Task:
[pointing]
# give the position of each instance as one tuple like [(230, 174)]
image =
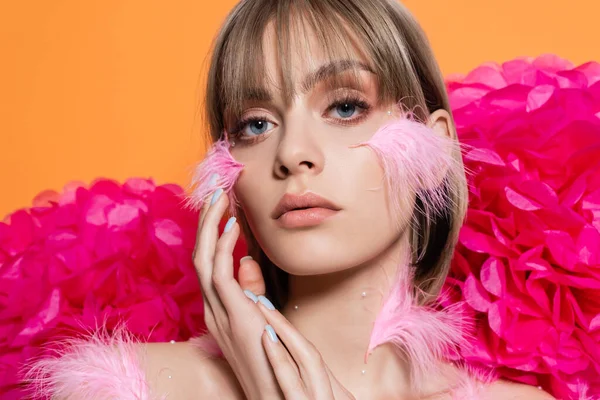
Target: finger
[(212, 184), (201, 217), (228, 289), (283, 365), (310, 363), (209, 234), (250, 276), (206, 244)]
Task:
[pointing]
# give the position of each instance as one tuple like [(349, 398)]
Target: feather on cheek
[(415, 160), (218, 162)]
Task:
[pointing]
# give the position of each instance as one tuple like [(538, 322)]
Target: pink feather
[(207, 344), (414, 160), (423, 335), (101, 366), (472, 382), (218, 169)]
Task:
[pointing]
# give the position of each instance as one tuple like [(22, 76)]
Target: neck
[(336, 313)]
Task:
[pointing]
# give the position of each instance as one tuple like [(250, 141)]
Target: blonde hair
[(399, 55)]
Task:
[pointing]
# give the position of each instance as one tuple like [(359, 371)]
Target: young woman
[(336, 155)]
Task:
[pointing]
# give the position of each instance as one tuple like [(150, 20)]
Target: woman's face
[(306, 148)]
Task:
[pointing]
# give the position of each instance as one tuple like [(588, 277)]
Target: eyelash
[(348, 99)]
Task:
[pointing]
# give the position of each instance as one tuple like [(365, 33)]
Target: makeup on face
[(262, 113)]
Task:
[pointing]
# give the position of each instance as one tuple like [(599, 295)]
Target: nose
[(299, 151)]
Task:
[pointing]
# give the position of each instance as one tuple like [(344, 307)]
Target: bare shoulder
[(506, 390), (182, 371)]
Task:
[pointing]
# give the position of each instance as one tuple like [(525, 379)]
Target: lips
[(309, 203)]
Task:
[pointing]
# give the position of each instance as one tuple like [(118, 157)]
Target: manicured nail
[(266, 302), (215, 197), (229, 224), (251, 296), (271, 333), (245, 258), (213, 180)]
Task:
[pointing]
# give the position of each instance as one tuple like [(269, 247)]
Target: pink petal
[(562, 248), (539, 96), (493, 276), (498, 318), (485, 156), (588, 246), (168, 232), (475, 294)]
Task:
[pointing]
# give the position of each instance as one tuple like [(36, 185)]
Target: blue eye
[(347, 109), (260, 126)]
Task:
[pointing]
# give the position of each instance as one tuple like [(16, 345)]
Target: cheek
[(256, 197), (371, 196)]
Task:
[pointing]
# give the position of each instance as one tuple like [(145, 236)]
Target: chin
[(309, 254), (309, 267)]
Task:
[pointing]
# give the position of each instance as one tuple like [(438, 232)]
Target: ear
[(442, 124)]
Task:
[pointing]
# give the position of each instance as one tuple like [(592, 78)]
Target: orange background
[(111, 88)]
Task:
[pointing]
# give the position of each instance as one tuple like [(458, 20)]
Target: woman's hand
[(237, 322), (231, 316), (300, 369)]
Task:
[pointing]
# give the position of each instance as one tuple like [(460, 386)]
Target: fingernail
[(213, 180), (251, 296), (266, 302), (271, 333), (245, 258), (229, 224), (215, 197)]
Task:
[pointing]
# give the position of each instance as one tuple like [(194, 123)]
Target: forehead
[(308, 59)]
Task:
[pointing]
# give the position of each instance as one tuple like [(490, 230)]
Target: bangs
[(240, 73)]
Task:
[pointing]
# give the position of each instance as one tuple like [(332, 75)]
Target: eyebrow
[(313, 78)]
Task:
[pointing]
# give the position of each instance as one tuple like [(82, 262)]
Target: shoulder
[(506, 390), (108, 366), (183, 371)]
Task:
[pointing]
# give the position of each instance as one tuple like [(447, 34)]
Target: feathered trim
[(416, 160), (101, 366), (217, 169), (423, 335)]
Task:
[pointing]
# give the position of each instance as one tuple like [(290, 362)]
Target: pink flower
[(528, 258), (107, 253)]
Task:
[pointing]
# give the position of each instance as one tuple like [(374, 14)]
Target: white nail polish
[(229, 224), (251, 296), (271, 333), (266, 302)]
